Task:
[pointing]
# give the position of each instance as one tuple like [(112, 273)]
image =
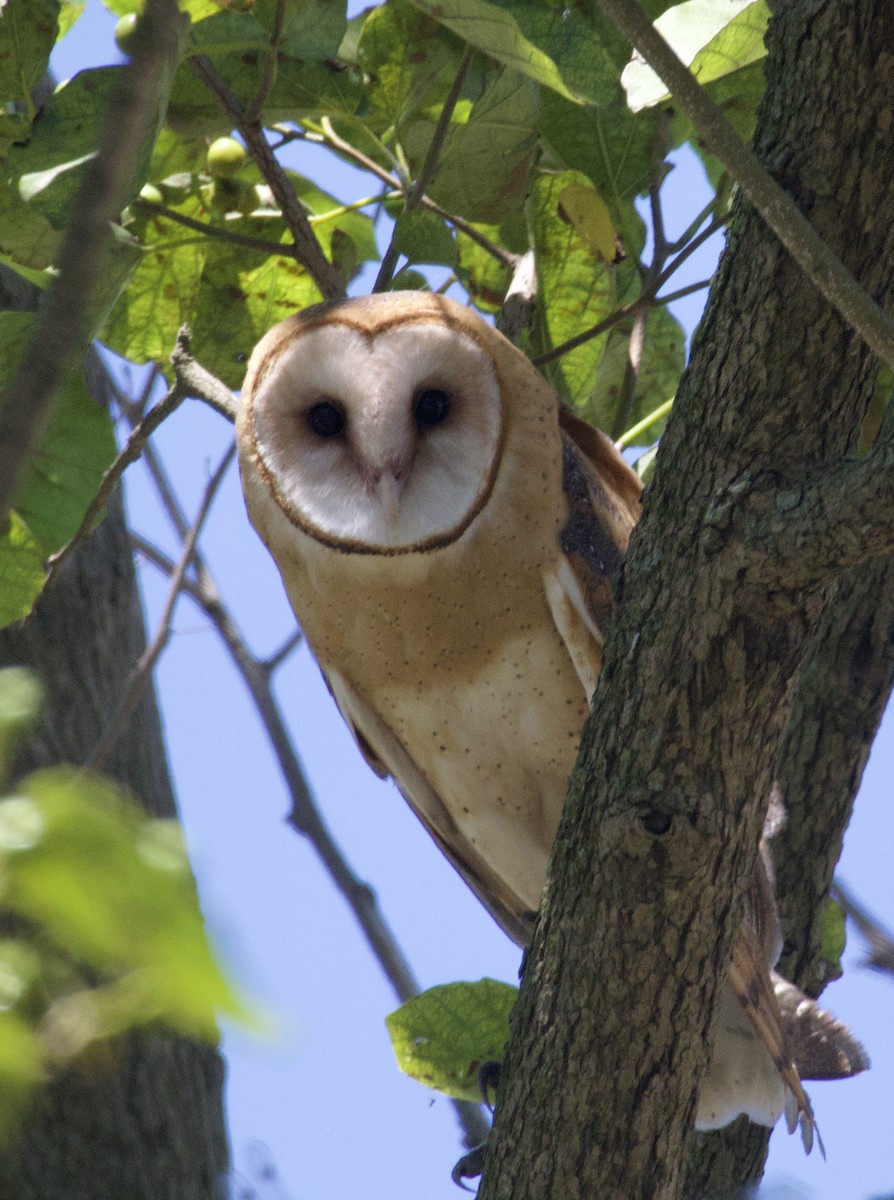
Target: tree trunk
[(723, 600), (147, 1122)]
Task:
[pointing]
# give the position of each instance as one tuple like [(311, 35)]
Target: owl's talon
[(470, 1165)]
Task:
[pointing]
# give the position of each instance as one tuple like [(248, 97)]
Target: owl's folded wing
[(387, 756), (603, 497)]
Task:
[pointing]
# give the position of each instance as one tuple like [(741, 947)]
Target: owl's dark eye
[(431, 407), (326, 419)]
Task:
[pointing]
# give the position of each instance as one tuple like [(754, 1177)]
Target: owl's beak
[(387, 489)]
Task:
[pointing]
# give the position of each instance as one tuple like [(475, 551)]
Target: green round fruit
[(226, 158), (125, 32)]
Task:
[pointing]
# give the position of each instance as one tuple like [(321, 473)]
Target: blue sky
[(323, 1092)]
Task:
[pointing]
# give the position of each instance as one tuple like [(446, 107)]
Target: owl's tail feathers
[(751, 982), (821, 1046)]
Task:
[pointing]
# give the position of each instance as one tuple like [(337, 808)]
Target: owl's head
[(376, 423)]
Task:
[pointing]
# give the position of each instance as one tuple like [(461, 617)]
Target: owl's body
[(447, 532)]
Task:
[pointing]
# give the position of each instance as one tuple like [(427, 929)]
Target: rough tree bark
[(726, 595), (147, 1121)]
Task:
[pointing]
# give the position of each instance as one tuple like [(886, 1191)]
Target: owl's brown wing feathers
[(751, 982), (387, 756), (602, 494)]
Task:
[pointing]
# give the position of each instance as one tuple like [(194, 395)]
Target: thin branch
[(820, 264), (268, 74), (242, 240), (429, 167), (305, 817), (881, 945), (289, 645), (518, 303), (62, 330), (199, 382), (635, 344), (505, 257), (133, 448), (143, 670), (307, 248)]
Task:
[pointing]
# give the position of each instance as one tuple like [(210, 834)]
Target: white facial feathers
[(379, 441)]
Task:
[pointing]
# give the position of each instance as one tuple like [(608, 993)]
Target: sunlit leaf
[(20, 700), (618, 151), (712, 37), (834, 938), (111, 900), (575, 290), (585, 209), (555, 47), (409, 60), (21, 570), (444, 1035), (237, 44)]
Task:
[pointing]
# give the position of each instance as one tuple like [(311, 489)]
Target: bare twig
[(307, 249), (518, 303), (648, 297), (305, 817), (210, 231), (429, 167), (276, 660), (268, 74), (62, 330), (198, 382), (820, 264), (132, 450), (143, 670)]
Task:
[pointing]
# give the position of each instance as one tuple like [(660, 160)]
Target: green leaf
[(834, 937), (20, 701), (300, 89), (661, 365), (70, 12), (21, 571), (574, 290), (66, 468), (712, 37), (483, 170), (617, 150), (312, 29), (423, 237), (408, 59), (555, 47), (27, 34), (21, 1070), (162, 293), (113, 889), (444, 1035), (43, 177)]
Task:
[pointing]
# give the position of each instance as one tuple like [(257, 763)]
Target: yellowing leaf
[(585, 209)]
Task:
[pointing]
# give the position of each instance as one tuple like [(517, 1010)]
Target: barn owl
[(447, 531)]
